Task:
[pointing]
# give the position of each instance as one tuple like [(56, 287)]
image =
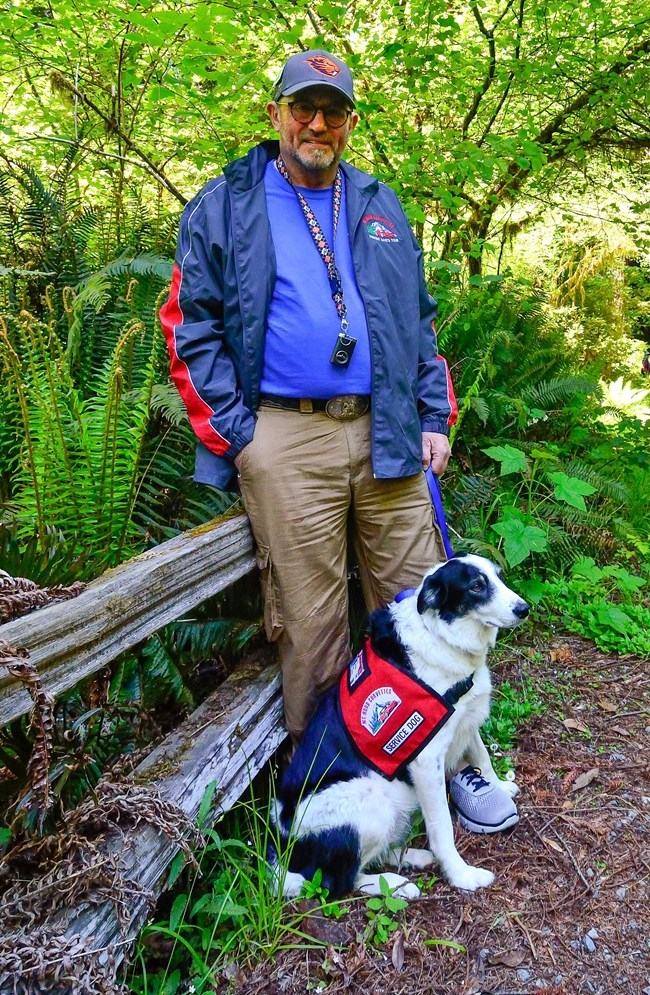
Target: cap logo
[(321, 64)]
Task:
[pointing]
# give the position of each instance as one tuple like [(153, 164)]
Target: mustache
[(309, 137)]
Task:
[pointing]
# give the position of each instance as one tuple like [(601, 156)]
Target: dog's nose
[(521, 609)]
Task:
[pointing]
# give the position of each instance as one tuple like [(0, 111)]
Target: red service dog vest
[(388, 713)]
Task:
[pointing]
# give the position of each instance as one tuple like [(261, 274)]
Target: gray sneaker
[(481, 805)]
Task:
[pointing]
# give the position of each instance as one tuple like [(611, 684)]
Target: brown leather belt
[(345, 407)]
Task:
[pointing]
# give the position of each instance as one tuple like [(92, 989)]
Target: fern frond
[(558, 392)]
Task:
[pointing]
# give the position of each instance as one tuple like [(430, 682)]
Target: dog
[(341, 809)]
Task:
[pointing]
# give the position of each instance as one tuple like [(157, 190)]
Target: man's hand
[(435, 451)]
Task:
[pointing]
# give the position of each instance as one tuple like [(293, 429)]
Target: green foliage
[(607, 604), (79, 467), (563, 478), (511, 707), (463, 110), (381, 912), (228, 910)]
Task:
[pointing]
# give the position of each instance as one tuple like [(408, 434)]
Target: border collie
[(379, 748)]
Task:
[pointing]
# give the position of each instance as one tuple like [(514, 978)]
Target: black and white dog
[(381, 743)]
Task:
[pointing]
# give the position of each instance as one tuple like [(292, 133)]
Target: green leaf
[(537, 453), (512, 460), (533, 590), (520, 539), (206, 804), (177, 911), (613, 618), (585, 566), (571, 489), (175, 869), (171, 984), (445, 943)]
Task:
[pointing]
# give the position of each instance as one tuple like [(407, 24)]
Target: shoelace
[(474, 778)]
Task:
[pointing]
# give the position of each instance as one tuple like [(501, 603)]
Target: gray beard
[(316, 160)]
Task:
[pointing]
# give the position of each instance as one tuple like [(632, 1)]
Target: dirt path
[(569, 910)]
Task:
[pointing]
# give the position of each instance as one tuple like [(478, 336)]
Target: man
[(300, 332)]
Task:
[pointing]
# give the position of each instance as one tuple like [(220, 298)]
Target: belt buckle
[(346, 407)]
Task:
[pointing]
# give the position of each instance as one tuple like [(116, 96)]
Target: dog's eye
[(477, 586)]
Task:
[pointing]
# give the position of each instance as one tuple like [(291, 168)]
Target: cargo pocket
[(272, 614)]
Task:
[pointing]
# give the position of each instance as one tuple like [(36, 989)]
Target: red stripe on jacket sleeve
[(451, 397), (198, 410)]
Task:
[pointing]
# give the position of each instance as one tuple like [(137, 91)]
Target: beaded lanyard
[(321, 243)]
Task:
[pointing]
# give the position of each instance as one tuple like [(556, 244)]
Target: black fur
[(337, 852), (320, 759), (385, 641), (455, 590)]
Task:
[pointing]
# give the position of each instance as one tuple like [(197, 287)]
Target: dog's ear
[(433, 593)]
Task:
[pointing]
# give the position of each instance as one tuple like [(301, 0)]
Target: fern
[(557, 392), (79, 468)]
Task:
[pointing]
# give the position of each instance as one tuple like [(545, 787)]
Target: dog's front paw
[(471, 878), (371, 884), (511, 788), (408, 891), (411, 857)]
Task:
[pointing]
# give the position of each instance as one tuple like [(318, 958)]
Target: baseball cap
[(314, 68)]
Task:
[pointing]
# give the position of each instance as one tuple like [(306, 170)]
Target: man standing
[(300, 332)]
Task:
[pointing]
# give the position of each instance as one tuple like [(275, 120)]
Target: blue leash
[(436, 500)]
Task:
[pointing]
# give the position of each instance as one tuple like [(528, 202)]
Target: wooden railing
[(227, 739)]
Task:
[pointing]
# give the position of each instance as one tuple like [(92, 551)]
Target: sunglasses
[(304, 112)]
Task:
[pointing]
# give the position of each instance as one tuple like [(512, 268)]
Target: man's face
[(313, 148)]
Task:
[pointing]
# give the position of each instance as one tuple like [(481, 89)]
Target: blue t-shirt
[(303, 323)]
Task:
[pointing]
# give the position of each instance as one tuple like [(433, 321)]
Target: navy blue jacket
[(216, 315)]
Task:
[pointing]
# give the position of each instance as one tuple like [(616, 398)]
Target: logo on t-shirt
[(380, 229), (323, 65), (377, 709)]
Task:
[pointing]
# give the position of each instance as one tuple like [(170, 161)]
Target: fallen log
[(227, 740), (73, 639)]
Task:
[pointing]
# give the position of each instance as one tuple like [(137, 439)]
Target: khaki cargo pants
[(307, 482)]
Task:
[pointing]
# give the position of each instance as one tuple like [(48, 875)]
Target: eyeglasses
[(304, 112)]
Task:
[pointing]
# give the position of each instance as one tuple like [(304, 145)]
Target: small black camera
[(343, 350)]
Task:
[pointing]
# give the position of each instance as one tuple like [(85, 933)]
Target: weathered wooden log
[(73, 639), (228, 739)]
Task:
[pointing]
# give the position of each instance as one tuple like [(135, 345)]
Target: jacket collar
[(245, 173)]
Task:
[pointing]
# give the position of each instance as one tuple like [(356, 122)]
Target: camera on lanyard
[(343, 350)]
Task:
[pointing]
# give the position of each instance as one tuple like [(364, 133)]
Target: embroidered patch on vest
[(378, 708), (356, 670), (388, 713), (380, 229)]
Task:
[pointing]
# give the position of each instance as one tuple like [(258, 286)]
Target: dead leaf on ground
[(509, 958), (573, 724), (397, 953), (607, 706), (598, 828), (553, 844), (344, 964), (620, 730), (582, 780)]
